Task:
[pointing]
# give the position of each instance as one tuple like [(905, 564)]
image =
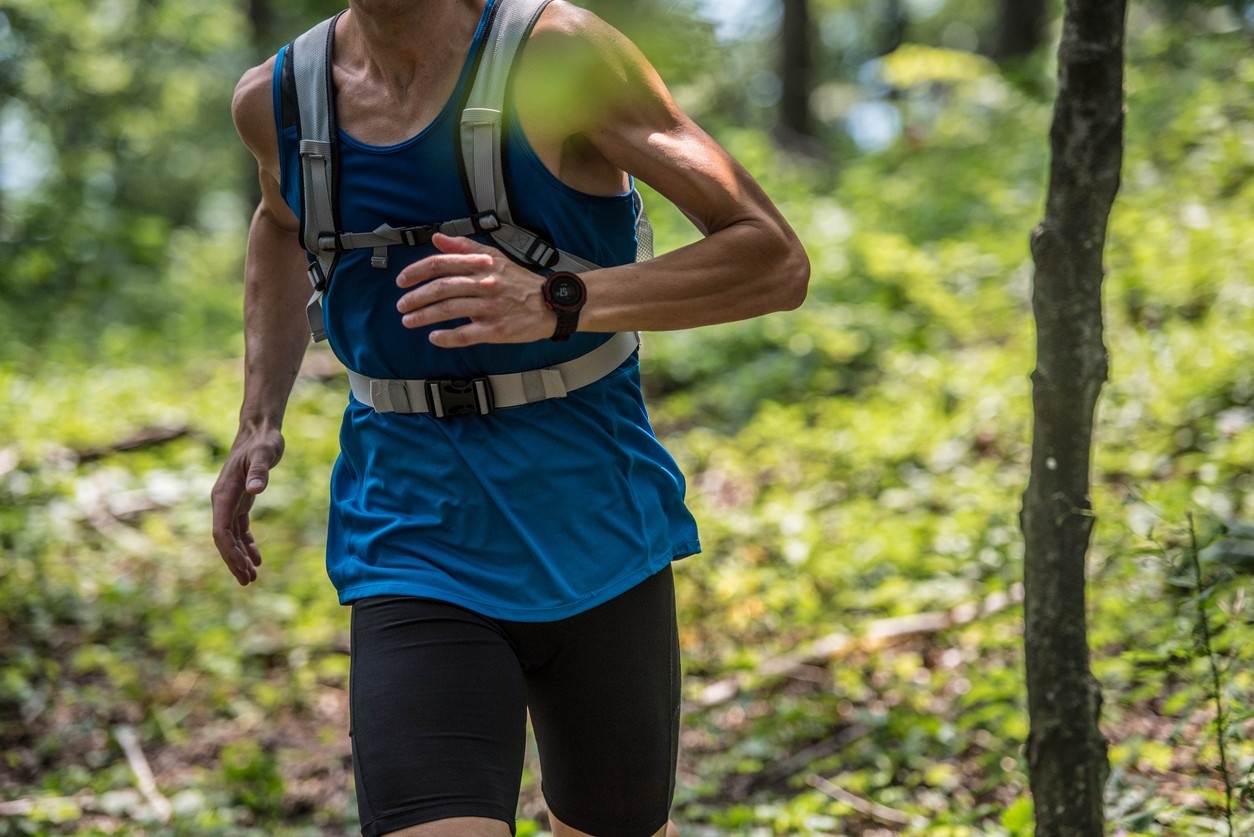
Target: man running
[(515, 561)]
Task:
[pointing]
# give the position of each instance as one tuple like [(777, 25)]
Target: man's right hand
[(244, 476)]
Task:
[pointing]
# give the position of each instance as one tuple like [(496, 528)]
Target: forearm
[(746, 269), (276, 332), (742, 269), (749, 261)]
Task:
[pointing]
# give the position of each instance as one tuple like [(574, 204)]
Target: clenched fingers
[(445, 264), (446, 298)]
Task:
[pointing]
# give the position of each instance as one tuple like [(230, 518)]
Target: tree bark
[(796, 69), (261, 25), (1021, 27), (1066, 751), (261, 35), (892, 32)]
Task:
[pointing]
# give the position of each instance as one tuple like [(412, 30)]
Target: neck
[(399, 41)]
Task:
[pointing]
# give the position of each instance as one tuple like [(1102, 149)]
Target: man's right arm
[(275, 333)]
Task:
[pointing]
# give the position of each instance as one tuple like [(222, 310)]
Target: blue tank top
[(533, 513)]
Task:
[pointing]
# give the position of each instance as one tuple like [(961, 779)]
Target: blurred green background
[(852, 631)]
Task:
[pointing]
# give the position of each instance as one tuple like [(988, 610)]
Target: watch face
[(565, 291)]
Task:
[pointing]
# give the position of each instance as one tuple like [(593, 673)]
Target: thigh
[(605, 709), (438, 715)]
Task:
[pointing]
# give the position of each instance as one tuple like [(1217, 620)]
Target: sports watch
[(565, 295)]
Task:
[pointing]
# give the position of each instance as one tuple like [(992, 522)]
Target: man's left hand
[(468, 280)]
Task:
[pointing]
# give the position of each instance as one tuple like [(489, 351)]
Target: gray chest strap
[(449, 398)]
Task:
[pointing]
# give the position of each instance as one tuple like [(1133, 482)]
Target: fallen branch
[(880, 633), (874, 810), (17, 808), (147, 437), (741, 787), (128, 740)]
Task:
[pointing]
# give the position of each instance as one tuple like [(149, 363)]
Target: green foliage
[(124, 104), (856, 465), (677, 43), (254, 775), (900, 494)]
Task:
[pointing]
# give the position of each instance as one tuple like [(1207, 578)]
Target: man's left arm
[(603, 95), (749, 261)]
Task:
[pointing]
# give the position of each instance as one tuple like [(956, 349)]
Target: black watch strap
[(567, 324)]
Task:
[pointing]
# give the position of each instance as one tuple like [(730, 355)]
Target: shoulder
[(562, 21), (252, 109), (575, 60)]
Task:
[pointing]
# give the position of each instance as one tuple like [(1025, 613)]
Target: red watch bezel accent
[(560, 307), (567, 314)]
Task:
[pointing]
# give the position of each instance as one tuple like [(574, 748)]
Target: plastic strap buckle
[(316, 277), (417, 236), (452, 398)]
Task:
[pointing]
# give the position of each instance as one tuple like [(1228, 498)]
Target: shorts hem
[(418, 816), (601, 829)]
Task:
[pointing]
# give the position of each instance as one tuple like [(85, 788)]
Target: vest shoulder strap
[(482, 157), (309, 56), (482, 117)]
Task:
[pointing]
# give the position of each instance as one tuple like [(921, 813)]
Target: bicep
[(686, 166), (637, 126)]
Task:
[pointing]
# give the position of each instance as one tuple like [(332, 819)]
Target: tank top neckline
[(476, 45)]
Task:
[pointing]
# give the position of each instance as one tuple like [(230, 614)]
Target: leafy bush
[(851, 632)]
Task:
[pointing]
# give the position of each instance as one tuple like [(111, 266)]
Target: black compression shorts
[(440, 697)]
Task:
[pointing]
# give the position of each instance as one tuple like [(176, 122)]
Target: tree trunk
[(261, 24), (260, 37), (1021, 27), (796, 69), (892, 32), (1066, 751)]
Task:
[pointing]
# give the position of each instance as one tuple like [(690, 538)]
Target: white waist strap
[(447, 398)]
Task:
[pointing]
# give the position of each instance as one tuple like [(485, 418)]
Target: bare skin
[(478, 827), (595, 112)]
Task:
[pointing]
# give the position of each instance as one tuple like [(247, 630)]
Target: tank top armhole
[(276, 91), (515, 140)]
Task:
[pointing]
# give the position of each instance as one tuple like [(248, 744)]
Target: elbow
[(793, 277)]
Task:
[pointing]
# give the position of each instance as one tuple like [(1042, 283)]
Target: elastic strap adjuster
[(316, 277), (485, 221), (542, 253)]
